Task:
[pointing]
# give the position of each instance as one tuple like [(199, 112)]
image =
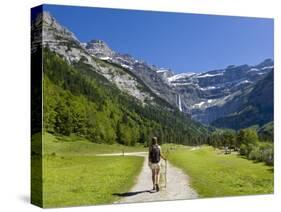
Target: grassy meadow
[(75, 145), (214, 174), (86, 180), (73, 174)]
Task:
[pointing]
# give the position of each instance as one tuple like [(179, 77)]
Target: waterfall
[(179, 102)]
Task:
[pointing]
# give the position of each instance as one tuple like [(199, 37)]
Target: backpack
[(154, 154)]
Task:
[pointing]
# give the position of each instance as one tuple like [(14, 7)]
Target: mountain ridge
[(205, 96)]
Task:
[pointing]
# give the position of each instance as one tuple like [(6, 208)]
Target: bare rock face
[(60, 40), (153, 77), (99, 49)]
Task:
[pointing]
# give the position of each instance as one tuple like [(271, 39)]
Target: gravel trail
[(177, 184)]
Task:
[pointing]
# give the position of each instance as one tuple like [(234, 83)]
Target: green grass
[(214, 174), (75, 145), (73, 175), (36, 180), (86, 180)]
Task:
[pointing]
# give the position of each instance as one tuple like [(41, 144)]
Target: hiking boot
[(157, 187)]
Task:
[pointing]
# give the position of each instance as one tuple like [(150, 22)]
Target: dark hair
[(154, 140)]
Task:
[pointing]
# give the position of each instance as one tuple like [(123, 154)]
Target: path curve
[(177, 184)]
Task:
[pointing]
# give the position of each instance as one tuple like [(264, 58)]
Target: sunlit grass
[(86, 180), (215, 174)]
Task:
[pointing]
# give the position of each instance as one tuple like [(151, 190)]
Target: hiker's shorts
[(154, 166)]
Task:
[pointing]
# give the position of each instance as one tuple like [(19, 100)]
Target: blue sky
[(180, 41)]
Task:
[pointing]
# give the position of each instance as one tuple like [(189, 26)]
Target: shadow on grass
[(271, 169), (128, 194)]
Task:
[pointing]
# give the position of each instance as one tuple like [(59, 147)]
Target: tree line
[(246, 141)]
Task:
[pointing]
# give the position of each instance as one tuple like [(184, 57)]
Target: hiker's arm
[(162, 156), (148, 155)]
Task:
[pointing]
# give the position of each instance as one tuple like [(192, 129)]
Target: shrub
[(243, 149), (255, 154), (267, 153)]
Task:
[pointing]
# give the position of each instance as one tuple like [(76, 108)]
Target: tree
[(63, 124), (248, 139)]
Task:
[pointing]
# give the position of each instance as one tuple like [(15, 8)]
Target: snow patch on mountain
[(243, 82), (208, 88), (267, 67), (162, 70), (180, 76), (199, 104), (210, 75), (254, 69)]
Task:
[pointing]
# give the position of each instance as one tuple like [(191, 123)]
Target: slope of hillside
[(206, 95), (78, 100), (150, 75), (266, 131), (257, 107)]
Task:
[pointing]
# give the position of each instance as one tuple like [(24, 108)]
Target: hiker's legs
[(153, 177), (157, 176)]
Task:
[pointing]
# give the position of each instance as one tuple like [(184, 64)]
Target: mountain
[(152, 76), (256, 102), (88, 91), (207, 97), (266, 131), (60, 40)]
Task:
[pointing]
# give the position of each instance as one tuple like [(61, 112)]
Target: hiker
[(154, 158)]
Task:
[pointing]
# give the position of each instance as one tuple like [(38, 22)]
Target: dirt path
[(177, 185)]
